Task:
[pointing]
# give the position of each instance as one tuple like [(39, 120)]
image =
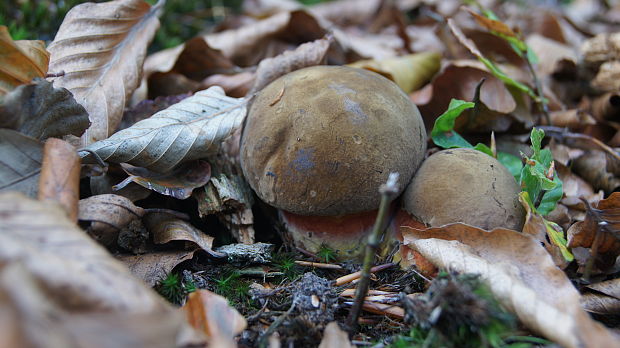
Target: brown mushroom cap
[(321, 140), (464, 185)]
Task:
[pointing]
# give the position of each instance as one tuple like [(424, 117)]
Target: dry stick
[(356, 275), (262, 341), (389, 191)]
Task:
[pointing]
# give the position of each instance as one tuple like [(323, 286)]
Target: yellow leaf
[(20, 61), (409, 72)]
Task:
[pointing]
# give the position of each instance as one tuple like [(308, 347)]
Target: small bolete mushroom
[(464, 185), (319, 142)]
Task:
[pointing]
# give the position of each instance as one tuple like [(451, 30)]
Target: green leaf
[(443, 134), (536, 138), (483, 148), (512, 162), (551, 198)]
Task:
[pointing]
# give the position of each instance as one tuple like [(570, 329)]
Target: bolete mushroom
[(319, 142), (464, 185)]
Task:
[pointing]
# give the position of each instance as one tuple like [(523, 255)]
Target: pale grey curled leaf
[(20, 163), (44, 111), (191, 129)]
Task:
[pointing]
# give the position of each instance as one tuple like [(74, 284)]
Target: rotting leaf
[(43, 111), (521, 275), (211, 314), (101, 48), (20, 61), (20, 163), (166, 228), (107, 215), (409, 72), (495, 101), (604, 218), (154, 266), (179, 183), (189, 130), (305, 55)]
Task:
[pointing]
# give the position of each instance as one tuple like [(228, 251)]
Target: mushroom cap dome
[(464, 185), (321, 140)]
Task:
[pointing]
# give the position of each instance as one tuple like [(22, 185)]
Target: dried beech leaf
[(194, 59), (410, 72), (20, 163), (77, 271), (308, 54), (189, 130), (582, 234), (248, 45), (58, 282), (520, 274), (237, 85), (108, 214), (20, 61), (154, 266), (211, 314), (166, 228), (101, 48), (600, 303), (492, 25), (179, 183), (44, 111), (608, 287)]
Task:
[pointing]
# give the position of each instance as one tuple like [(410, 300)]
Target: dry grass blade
[(101, 48)]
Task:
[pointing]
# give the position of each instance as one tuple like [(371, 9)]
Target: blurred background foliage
[(181, 20)]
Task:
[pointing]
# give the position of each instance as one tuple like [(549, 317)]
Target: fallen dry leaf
[(247, 45), (165, 228), (520, 274), (583, 234), (20, 165), (20, 61), (307, 54), (189, 130), (491, 24), (107, 215), (608, 77), (549, 53), (179, 183), (42, 111), (409, 72), (237, 85), (101, 48), (594, 167), (602, 48), (153, 267), (210, 313), (76, 271)]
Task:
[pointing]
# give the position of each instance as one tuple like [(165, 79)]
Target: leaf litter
[(555, 69)]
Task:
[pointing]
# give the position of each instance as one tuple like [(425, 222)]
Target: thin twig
[(318, 265), (389, 191), (263, 340), (543, 104)]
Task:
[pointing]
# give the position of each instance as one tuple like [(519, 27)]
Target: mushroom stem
[(389, 191)]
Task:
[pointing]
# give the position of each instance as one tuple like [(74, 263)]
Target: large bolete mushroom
[(464, 185), (319, 142)]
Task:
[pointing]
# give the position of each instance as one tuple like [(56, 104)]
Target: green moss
[(174, 289)]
